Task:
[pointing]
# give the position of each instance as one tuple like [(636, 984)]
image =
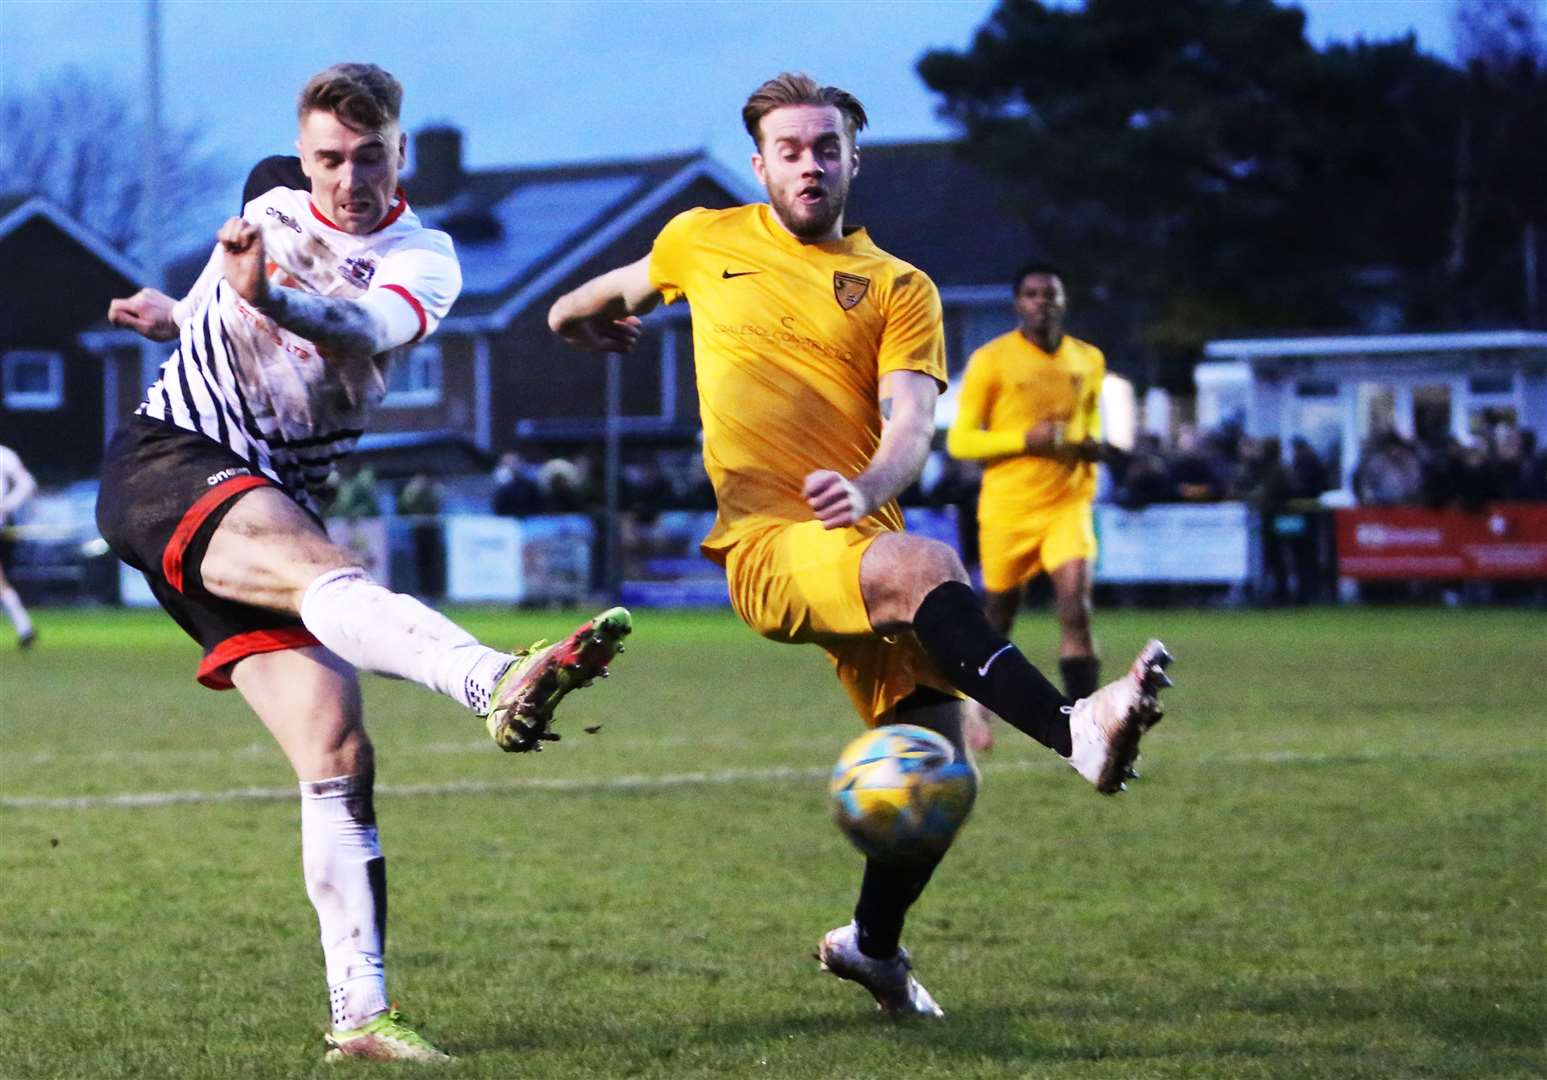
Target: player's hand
[(242, 243), (603, 335), (836, 500), (1091, 450), (1046, 439), (148, 313)]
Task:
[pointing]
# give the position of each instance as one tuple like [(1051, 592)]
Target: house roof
[(1255, 349), (926, 203), (18, 210), (520, 230), (61, 292)]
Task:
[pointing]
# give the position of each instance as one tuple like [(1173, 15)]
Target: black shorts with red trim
[(164, 491)]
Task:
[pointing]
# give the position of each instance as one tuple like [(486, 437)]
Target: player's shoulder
[(997, 352), (1088, 352), (408, 233), (890, 271), (703, 217)]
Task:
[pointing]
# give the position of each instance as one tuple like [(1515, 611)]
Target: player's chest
[(800, 304), (300, 257), (1040, 386)]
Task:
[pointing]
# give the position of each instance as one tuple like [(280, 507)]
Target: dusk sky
[(547, 80)]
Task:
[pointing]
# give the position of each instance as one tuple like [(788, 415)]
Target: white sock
[(378, 630), (18, 614), (346, 878)]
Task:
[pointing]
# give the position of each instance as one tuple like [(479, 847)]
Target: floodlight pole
[(613, 521), (150, 259), (150, 195)]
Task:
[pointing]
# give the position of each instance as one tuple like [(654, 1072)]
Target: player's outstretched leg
[(1105, 728), (386, 1038), (521, 716), (890, 982)]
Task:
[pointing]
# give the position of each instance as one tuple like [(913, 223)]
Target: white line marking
[(647, 782)]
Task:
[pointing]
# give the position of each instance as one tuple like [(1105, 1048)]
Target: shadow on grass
[(1490, 1033)]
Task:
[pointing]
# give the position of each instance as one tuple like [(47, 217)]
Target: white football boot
[(1105, 728), (890, 982)]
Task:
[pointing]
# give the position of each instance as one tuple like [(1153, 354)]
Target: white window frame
[(428, 353), (32, 400)]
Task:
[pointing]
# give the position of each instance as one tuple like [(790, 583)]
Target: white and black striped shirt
[(271, 396)]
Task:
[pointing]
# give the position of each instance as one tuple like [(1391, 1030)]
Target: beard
[(810, 222)]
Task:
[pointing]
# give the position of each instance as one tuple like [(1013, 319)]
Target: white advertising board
[(483, 558), (1202, 544)]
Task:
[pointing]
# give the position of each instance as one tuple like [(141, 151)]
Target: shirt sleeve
[(913, 337), (425, 275), (671, 252), (209, 277), (1092, 403), (967, 439)]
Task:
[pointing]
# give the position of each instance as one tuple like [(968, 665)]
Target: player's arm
[(1094, 447), (153, 314), (907, 425), (602, 315), (970, 438), (19, 490), (378, 321)]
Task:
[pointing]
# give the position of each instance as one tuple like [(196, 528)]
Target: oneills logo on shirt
[(849, 289)]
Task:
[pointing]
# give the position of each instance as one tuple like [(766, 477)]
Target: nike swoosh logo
[(990, 661), (727, 275)]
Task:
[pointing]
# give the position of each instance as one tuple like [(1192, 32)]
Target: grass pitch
[(1333, 868)]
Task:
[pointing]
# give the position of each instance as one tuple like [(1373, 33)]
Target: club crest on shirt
[(357, 270), (850, 289)]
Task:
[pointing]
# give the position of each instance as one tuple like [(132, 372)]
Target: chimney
[(437, 174)]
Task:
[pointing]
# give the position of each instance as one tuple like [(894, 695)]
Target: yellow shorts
[(798, 582), (1016, 548)]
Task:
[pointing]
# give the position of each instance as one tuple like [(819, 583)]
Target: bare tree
[(76, 139)]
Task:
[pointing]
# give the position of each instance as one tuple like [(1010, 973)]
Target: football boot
[(520, 718), (386, 1038), (890, 982), (1105, 728)]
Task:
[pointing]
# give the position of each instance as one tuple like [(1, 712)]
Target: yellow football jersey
[(790, 341), (1009, 387)]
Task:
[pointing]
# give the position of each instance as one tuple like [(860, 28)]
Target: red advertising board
[(1504, 540)]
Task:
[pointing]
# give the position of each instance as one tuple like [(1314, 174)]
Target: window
[(414, 378), (32, 380), (1316, 388)]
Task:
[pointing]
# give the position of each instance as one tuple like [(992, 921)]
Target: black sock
[(983, 664), (1082, 674), (885, 896)]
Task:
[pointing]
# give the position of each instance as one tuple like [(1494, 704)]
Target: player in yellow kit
[(819, 358), (1029, 409)]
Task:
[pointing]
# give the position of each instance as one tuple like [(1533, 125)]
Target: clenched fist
[(242, 243), (835, 500), (148, 313)]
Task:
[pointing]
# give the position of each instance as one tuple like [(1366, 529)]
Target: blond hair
[(361, 95), (798, 88)]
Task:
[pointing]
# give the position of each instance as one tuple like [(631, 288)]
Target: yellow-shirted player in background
[(1029, 409), (819, 358)]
